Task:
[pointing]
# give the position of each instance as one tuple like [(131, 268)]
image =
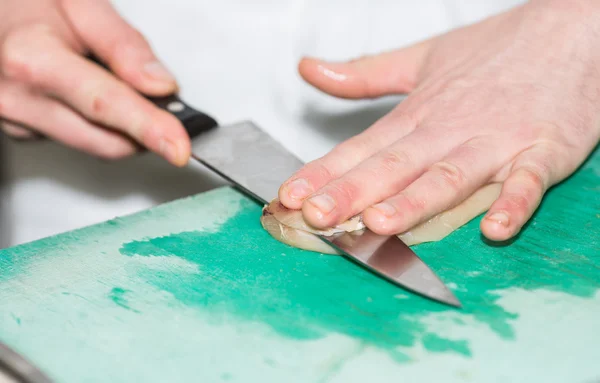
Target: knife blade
[(14, 368), (257, 164)]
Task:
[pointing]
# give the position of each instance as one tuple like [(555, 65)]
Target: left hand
[(512, 99)]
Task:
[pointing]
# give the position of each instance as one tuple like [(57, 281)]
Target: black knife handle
[(193, 120)]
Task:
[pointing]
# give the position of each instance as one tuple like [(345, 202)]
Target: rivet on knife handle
[(194, 121)]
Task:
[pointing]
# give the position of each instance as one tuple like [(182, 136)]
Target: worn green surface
[(195, 290)]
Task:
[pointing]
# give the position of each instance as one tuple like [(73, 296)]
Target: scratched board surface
[(196, 290)]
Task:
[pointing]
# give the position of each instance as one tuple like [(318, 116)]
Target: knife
[(257, 164), (14, 368)]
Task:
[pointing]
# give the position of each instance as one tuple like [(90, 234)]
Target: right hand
[(49, 88)]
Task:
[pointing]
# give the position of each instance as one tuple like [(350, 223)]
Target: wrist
[(561, 11), (570, 27)]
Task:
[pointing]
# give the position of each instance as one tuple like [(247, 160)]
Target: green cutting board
[(196, 291)]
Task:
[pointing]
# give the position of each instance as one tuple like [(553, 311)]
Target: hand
[(512, 99), (48, 87)]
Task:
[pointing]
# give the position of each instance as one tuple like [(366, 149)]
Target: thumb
[(119, 45), (394, 72)]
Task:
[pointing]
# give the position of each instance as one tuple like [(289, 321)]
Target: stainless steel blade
[(252, 160), (14, 368)]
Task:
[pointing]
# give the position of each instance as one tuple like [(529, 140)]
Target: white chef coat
[(235, 60)]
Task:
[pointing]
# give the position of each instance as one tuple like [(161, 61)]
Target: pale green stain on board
[(118, 295), (299, 294), (196, 288)]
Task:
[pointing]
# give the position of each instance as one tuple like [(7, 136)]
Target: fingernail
[(385, 209), (336, 76), (499, 217), (299, 189), (169, 151), (323, 202), (157, 71)]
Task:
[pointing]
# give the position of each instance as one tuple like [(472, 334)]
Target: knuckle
[(392, 160), (534, 174), (415, 205), (132, 37), (99, 104), (533, 179), (410, 204), (127, 44), (137, 37), (449, 174), (100, 100), (344, 191), (319, 170), (356, 146), (408, 119), (14, 60), (118, 49), (518, 202), (17, 59)]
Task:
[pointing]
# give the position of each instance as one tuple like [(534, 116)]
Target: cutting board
[(196, 290)]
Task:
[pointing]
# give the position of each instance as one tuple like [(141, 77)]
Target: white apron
[(235, 60)]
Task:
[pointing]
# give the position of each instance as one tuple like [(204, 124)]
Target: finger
[(378, 177), (46, 64), (444, 185), (17, 131), (119, 45), (533, 173), (56, 121), (344, 157), (394, 72)]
